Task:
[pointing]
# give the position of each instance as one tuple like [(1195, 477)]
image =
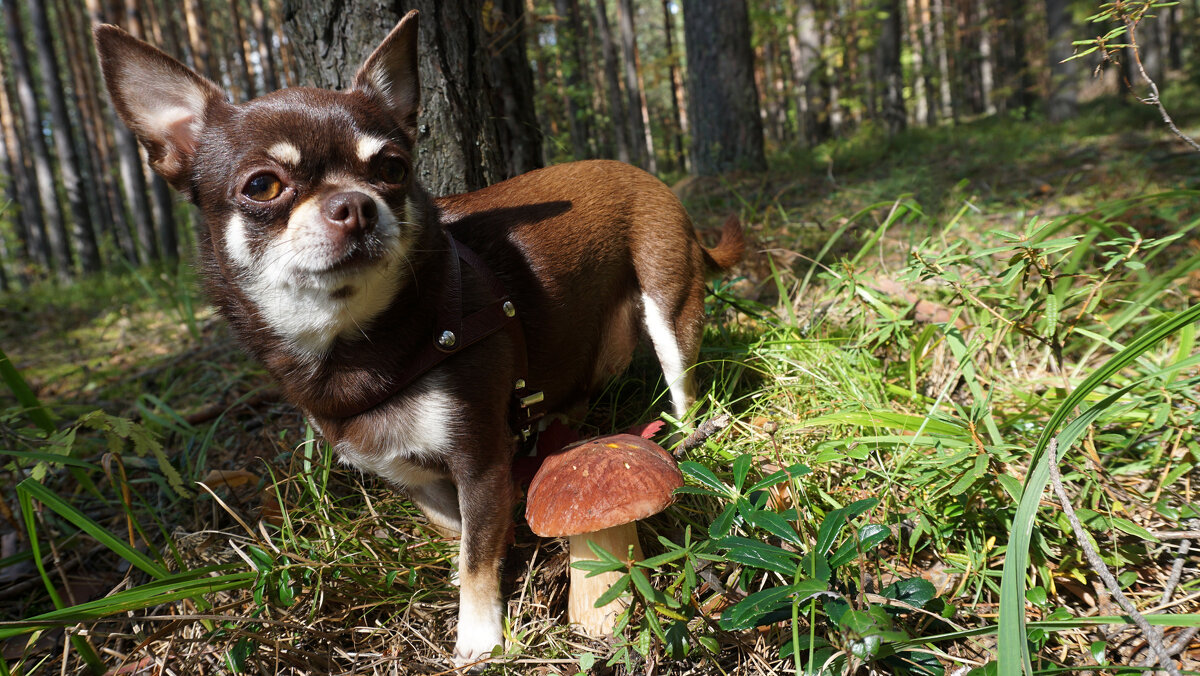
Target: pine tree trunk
[(466, 137), (94, 139), (244, 71), (70, 168), (804, 49), (942, 47), (133, 180), (162, 202), (266, 53), (569, 35), (31, 229), (676, 129), (633, 92), (928, 45), (887, 55), (1062, 101), (102, 134), (35, 142), (722, 99), (616, 105), (510, 86)]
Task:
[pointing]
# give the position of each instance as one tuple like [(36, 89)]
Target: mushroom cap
[(600, 483)]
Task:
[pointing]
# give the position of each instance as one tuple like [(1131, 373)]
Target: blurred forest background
[(700, 87)]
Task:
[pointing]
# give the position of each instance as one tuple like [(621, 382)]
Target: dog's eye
[(393, 171), (263, 188)]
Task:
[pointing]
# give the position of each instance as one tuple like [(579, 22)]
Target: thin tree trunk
[(676, 129), (616, 104), (31, 229), (203, 60), (928, 46), (804, 49), (100, 148), (83, 233), (266, 56), (989, 56), (948, 102), (35, 141), (726, 126), (78, 58), (1062, 101), (511, 88), (887, 51), (568, 34), (162, 202), (285, 56), (245, 74), (133, 180), (634, 105)]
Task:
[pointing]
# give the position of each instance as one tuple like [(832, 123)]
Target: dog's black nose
[(351, 212)]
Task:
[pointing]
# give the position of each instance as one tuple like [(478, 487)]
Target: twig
[(705, 430), (1177, 567), (1153, 99), (1153, 637)]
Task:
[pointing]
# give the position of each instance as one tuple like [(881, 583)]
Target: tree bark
[(266, 54), (887, 56), (245, 73), (569, 34), (722, 99), (635, 106), (83, 233), (510, 85), (1062, 99), (804, 49), (31, 229), (676, 130), (466, 138), (616, 106), (95, 146), (133, 180), (162, 201), (35, 142), (942, 47)]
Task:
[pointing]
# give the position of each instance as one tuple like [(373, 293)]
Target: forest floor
[(886, 408)]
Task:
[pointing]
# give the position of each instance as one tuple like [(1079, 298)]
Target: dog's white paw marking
[(477, 637)]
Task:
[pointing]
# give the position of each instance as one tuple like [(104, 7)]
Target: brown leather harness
[(454, 333)]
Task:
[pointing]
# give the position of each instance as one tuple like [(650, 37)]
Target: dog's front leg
[(485, 502)]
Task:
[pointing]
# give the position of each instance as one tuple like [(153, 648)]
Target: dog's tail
[(729, 250)]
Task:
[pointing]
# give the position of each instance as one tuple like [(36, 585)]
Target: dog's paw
[(475, 643)]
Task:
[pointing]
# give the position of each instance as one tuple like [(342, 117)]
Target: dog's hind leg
[(675, 326)]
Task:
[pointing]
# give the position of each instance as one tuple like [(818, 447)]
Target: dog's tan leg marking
[(486, 505)]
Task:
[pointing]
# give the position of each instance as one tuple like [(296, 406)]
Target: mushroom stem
[(585, 591)]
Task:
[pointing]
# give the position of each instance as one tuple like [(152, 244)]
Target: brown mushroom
[(595, 491)]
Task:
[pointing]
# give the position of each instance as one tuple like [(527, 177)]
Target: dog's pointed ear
[(390, 73), (163, 102)]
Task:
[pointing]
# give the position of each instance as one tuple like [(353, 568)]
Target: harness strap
[(454, 333)]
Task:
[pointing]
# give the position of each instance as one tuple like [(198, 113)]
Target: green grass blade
[(32, 489), (1013, 648), (25, 396)]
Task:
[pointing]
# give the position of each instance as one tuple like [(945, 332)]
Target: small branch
[(1177, 567), (1153, 99), (1152, 635), (705, 430)]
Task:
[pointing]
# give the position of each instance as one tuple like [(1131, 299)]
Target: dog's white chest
[(402, 445)]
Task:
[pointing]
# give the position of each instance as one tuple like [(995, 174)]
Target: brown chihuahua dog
[(364, 297)]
